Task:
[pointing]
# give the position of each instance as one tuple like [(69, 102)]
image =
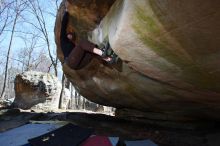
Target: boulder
[(38, 90), (169, 54)]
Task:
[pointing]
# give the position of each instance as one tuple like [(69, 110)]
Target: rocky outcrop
[(169, 54), (39, 90)]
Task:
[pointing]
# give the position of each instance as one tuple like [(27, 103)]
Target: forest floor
[(109, 125)]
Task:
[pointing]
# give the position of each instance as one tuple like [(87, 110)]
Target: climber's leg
[(75, 57), (106, 53), (90, 47), (78, 53)]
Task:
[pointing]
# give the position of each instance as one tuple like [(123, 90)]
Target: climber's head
[(71, 36)]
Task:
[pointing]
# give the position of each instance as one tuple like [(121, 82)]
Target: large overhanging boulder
[(170, 54)]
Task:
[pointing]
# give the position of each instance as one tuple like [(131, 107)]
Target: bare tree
[(61, 93), (55, 7), (42, 27), (4, 21), (71, 103), (4, 15), (19, 6), (27, 53), (42, 62)]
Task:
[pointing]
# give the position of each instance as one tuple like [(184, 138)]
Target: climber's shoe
[(114, 58), (106, 50)]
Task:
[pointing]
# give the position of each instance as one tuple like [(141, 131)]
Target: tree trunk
[(76, 100), (38, 12), (61, 93), (83, 104), (71, 97), (79, 101), (67, 83), (8, 56)]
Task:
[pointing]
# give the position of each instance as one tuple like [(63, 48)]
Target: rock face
[(38, 89), (170, 54)]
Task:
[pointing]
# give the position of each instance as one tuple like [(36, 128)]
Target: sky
[(24, 27), (18, 43)]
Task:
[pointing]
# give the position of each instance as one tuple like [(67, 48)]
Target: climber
[(74, 53)]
